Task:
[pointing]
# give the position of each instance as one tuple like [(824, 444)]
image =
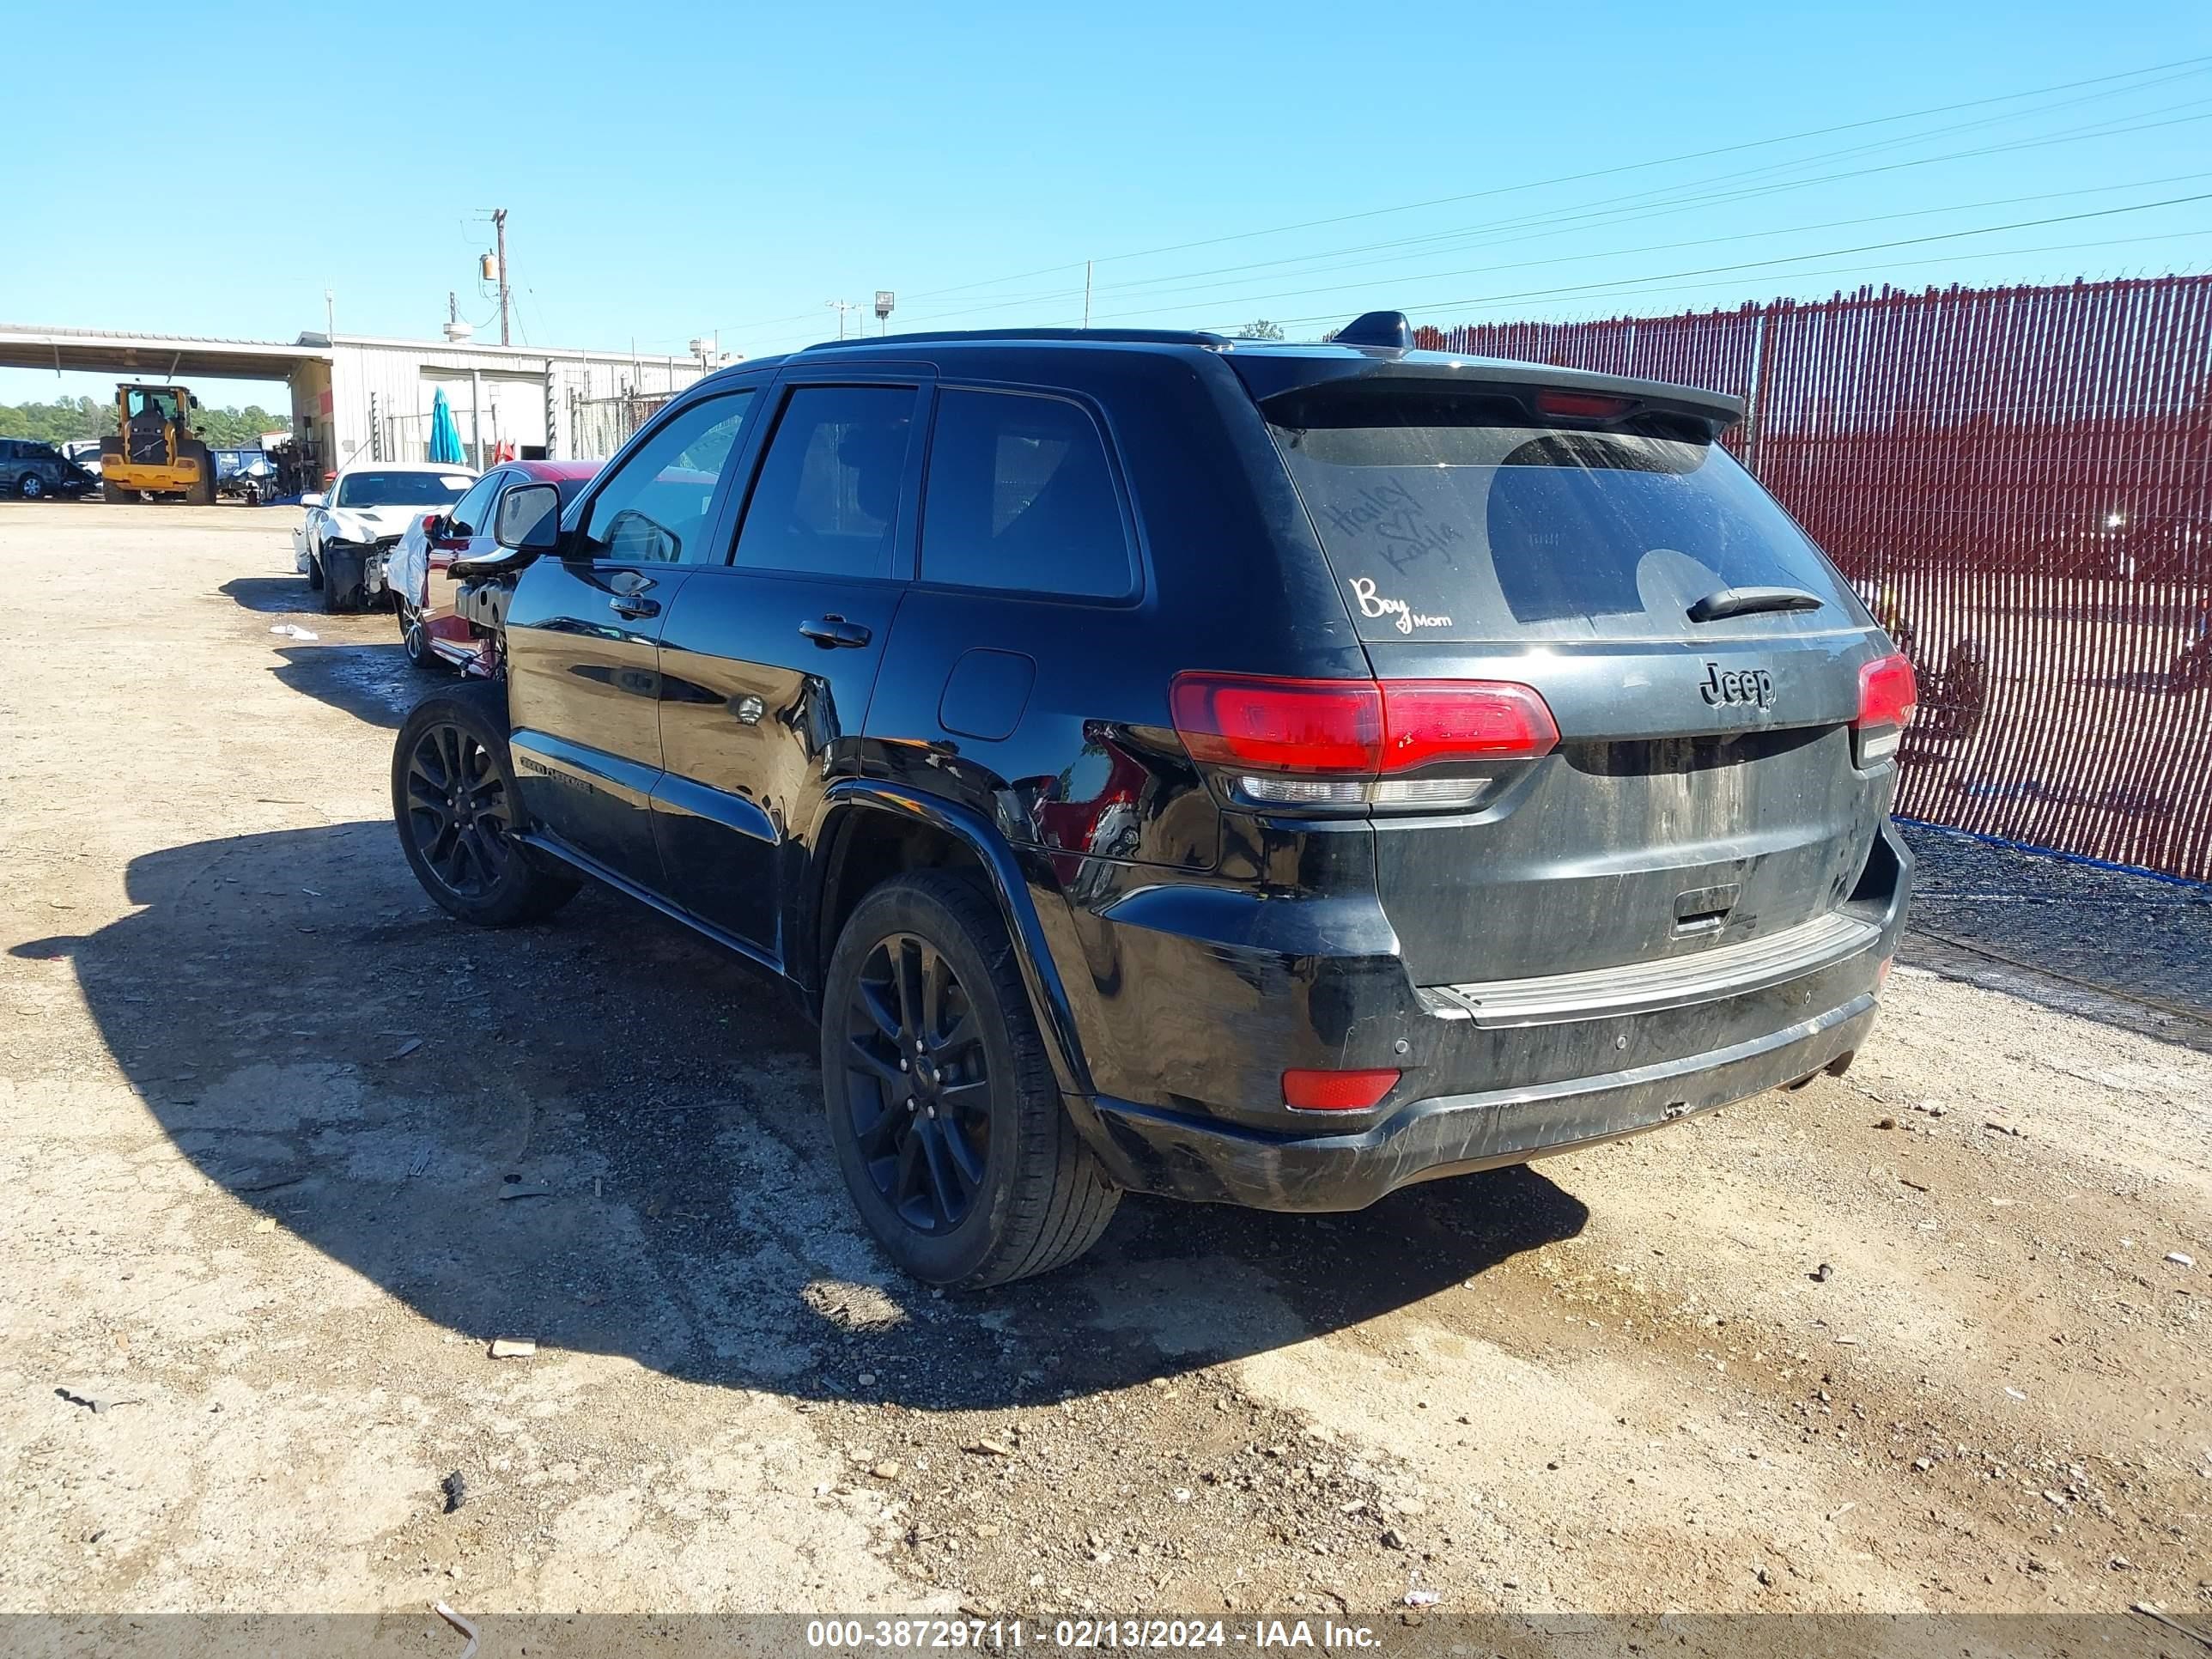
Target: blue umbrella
[(445, 437)]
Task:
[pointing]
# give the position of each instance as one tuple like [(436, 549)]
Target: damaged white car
[(341, 543)]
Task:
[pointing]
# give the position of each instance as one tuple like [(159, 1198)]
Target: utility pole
[(1086, 293), (841, 307), (330, 314), (499, 225)]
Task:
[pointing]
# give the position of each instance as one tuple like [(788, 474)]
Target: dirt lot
[(263, 1109)]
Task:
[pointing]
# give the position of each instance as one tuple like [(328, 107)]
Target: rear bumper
[(1186, 1158), (1185, 1094)]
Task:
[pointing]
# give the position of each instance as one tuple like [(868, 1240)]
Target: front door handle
[(833, 630), (633, 605)]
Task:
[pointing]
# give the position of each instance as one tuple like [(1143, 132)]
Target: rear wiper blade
[(1750, 601)]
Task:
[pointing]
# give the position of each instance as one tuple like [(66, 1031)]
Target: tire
[(31, 487), (109, 492), (415, 638), (991, 1183), (314, 573), (456, 841)]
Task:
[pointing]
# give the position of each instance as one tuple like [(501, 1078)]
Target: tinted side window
[(654, 507), (828, 498), (1020, 496), (471, 514)]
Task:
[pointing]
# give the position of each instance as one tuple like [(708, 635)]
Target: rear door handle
[(833, 630)]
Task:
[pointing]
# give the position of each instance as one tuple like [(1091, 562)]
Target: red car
[(422, 592)]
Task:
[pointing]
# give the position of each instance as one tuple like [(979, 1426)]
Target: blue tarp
[(445, 436)]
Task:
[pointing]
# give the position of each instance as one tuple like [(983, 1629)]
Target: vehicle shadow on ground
[(281, 596), (372, 680), (603, 1134), (373, 683)]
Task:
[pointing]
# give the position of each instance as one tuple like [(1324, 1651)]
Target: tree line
[(88, 418)]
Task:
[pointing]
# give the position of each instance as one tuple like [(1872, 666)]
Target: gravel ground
[(1932, 1336), (2136, 935)]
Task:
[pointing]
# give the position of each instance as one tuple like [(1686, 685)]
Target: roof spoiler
[(1573, 394)]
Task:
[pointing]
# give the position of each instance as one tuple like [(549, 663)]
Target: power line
[(1645, 204), (1792, 230), (2094, 130), (2185, 66), (1600, 216), (2186, 63), (1671, 206), (1633, 283)]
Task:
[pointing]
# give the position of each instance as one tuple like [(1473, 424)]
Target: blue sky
[(675, 169)]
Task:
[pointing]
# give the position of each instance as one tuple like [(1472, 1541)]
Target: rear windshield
[(1444, 519)]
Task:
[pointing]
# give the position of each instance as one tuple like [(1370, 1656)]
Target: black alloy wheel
[(919, 1083), (460, 814), (458, 811), (939, 1096)]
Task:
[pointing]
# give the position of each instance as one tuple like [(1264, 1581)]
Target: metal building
[(357, 398)]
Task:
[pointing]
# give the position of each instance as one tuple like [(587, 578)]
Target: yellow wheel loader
[(154, 450)]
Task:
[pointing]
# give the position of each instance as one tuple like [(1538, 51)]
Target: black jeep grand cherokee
[(1251, 773)]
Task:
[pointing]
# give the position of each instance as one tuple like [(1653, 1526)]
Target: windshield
[(401, 488), (1445, 518)]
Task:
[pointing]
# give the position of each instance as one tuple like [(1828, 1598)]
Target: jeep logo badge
[(1753, 686)]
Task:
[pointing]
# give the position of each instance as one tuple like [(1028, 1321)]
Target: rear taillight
[(1350, 743), (1427, 722), (1889, 694), (1320, 726), (1336, 1091)]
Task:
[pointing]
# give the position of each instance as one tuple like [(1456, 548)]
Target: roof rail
[(1101, 336)]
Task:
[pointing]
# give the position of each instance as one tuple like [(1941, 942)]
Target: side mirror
[(529, 519), (312, 498)]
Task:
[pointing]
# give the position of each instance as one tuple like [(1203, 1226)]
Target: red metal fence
[(2019, 482)]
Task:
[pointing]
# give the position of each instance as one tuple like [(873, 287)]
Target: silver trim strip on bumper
[(1639, 988)]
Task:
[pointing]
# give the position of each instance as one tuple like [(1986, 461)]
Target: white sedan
[(341, 543)]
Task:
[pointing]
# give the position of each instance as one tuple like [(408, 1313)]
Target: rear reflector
[(1359, 728), (1336, 1091)]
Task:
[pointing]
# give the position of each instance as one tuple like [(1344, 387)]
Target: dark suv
[(34, 471), (1262, 774)]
